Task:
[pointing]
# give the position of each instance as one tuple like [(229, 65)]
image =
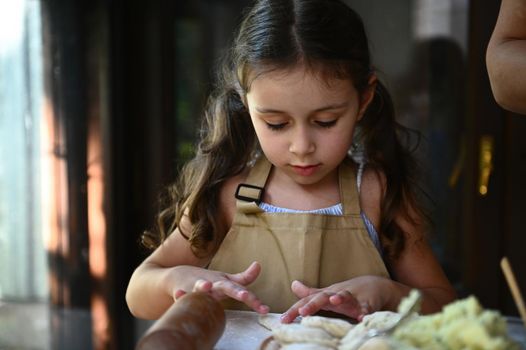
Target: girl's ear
[(367, 96)]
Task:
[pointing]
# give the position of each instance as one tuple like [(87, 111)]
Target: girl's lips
[(305, 170)]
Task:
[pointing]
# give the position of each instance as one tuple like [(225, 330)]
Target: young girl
[(272, 214)]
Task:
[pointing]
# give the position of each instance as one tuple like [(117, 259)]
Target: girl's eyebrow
[(263, 110)]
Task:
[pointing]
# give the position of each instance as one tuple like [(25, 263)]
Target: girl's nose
[(302, 143)]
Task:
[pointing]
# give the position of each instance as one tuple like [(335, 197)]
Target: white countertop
[(242, 331)]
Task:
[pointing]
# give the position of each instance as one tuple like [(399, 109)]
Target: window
[(23, 267), (22, 258)]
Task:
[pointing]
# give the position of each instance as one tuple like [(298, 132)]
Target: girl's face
[(305, 123)]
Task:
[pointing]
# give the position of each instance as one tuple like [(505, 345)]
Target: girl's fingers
[(305, 294), (302, 290), (344, 297), (293, 312), (345, 303), (237, 292), (342, 302), (232, 285), (365, 309), (316, 303), (290, 315), (252, 301), (203, 286), (179, 293), (248, 276)]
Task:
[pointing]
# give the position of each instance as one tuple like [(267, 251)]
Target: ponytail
[(388, 150)]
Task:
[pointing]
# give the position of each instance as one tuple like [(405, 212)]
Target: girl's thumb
[(248, 276), (300, 289)]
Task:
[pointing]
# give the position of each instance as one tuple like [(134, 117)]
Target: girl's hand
[(353, 298), (222, 285)]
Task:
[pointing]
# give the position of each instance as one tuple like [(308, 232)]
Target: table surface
[(243, 332), (517, 330)]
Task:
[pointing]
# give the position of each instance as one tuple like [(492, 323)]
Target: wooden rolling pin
[(195, 321)]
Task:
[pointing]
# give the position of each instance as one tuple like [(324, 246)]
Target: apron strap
[(348, 188), (252, 189)]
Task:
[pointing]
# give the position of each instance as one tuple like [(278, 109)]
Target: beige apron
[(318, 250)]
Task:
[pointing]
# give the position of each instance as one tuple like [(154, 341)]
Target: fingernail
[(264, 309)]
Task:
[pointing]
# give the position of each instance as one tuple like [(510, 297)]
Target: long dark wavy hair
[(327, 37)]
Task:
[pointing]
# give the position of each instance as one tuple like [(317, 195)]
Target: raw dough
[(354, 339), (380, 320), (335, 327), (305, 346), (297, 333), (412, 300)]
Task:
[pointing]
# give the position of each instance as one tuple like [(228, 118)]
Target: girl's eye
[(327, 124), (276, 127)]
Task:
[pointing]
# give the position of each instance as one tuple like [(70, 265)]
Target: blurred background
[(99, 104)]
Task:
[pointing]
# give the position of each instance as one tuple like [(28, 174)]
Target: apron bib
[(316, 249)]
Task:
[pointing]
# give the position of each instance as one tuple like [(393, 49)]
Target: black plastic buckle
[(250, 199)]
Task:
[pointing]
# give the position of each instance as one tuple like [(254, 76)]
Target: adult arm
[(506, 56)]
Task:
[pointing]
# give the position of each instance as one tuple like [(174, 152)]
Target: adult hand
[(221, 285), (353, 298)]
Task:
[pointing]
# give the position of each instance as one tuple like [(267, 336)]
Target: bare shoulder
[(372, 190), (227, 199)]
